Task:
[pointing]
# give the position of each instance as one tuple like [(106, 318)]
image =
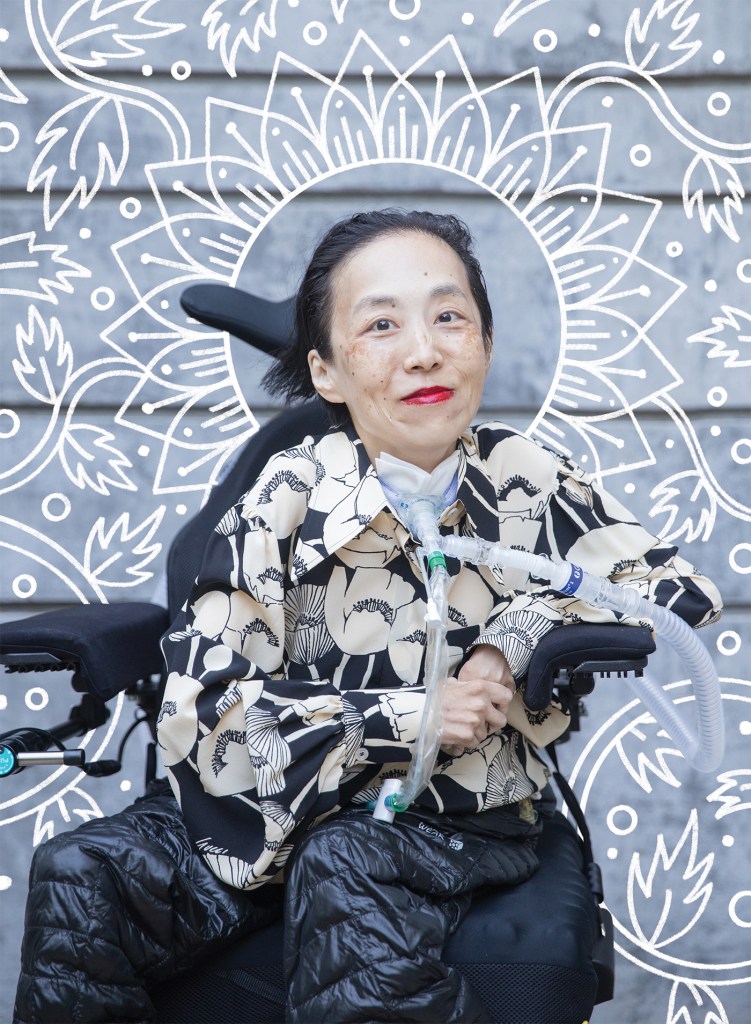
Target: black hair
[(290, 376)]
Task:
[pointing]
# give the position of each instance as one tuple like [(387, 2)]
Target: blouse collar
[(349, 497)]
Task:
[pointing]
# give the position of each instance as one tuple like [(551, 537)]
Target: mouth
[(428, 396)]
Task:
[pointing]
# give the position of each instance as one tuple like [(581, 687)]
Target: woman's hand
[(475, 703)]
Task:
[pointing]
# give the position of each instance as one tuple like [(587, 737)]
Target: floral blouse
[(294, 670)]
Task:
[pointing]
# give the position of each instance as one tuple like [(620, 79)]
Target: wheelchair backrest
[(287, 429)]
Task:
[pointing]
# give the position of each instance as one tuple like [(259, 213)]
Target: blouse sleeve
[(254, 756), (588, 526)]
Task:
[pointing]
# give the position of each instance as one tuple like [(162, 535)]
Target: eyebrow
[(441, 291)]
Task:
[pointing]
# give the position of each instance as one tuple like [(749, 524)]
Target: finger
[(500, 694), (496, 720)]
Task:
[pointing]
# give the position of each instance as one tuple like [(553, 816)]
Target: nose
[(423, 352)]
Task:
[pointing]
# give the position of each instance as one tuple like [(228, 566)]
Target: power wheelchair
[(538, 952)]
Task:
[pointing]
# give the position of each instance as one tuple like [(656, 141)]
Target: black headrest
[(264, 325)]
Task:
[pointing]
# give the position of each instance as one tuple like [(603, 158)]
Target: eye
[(449, 316), (382, 324)]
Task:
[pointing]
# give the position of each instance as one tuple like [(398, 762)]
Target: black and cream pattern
[(294, 671)]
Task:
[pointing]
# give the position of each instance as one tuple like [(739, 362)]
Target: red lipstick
[(428, 396)]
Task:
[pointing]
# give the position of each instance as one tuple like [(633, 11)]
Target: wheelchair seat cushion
[(526, 950), (119, 906)]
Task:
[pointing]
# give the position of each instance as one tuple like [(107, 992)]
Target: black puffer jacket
[(118, 905)]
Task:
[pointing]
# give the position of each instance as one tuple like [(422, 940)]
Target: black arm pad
[(112, 645), (578, 644)]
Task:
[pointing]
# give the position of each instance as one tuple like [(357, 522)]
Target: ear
[(489, 352), (323, 376)]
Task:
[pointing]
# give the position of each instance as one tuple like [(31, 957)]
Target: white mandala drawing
[(540, 153), (258, 160), (665, 879)]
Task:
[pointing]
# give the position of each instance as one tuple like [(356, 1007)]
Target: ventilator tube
[(703, 748), (420, 514)]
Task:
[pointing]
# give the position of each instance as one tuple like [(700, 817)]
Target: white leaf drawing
[(729, 337), (645, 760), (658, 43), (21, 260), (122, 546), (90, 460), (666, 902), (689, 505), (704, 191), (73, 140), (235, 23), (93, 32), (45, 358), (733, 793), (514, 10), (10, 92), (691, 1003), (71, 808), (338, 7)]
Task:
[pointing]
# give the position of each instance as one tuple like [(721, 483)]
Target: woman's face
[(407, 353)]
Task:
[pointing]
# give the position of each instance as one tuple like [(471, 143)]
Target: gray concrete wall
[(599, 150)]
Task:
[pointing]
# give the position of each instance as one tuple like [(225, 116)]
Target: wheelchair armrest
[(584, 647), (265, 325), (109, 646)]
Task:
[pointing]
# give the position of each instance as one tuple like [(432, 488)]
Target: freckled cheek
[(369, 367), (470, 360)]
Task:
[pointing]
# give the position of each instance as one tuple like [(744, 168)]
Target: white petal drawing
[(308, 637), (228, 700), (279, 822), (506, 778), (354, 730), (269, 753), (228, 524), (233, 870)]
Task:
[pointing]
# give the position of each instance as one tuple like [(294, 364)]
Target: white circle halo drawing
[(544, 184)]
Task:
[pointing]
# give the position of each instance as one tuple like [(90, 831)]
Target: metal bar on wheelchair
[(69, 758)]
